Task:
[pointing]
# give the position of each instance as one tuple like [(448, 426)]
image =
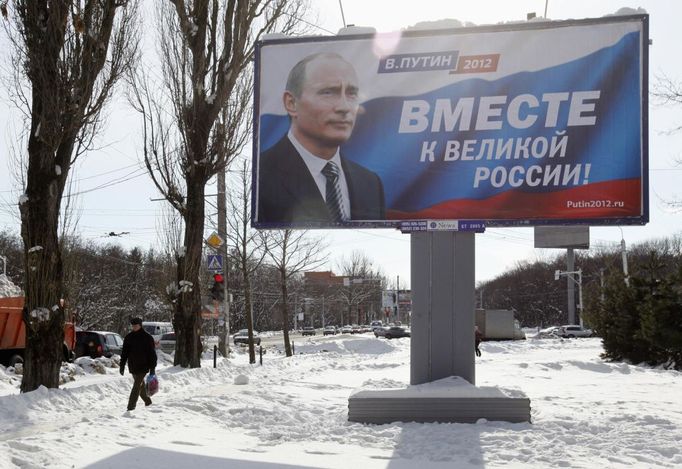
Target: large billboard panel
[(531, 124)]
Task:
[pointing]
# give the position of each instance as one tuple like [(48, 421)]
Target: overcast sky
[(116, 192)]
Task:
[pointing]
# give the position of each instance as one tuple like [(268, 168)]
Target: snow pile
[(8, 288), (9, 380), (625, 11), (95, 365), (241, 380), (363, 345), (445, 23), (453, 386)]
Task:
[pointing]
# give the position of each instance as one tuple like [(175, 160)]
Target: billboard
[(541, 123)]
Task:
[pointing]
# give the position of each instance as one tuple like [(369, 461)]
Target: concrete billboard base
[(451, 399)]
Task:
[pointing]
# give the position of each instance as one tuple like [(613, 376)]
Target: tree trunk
[(43, 315), (285, 314), (187, 319)]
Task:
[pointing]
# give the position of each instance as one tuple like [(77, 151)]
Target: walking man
[(478, 339), (140, 354)]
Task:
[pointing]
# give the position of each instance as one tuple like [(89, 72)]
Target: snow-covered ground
[(292, 412)]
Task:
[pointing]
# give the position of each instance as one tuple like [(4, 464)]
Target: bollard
[(293, 349), (260, 351), (215, 355)]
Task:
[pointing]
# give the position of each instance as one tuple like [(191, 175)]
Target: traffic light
[(218, 288)]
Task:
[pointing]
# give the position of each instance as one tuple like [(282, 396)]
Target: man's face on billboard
[(324, 115)]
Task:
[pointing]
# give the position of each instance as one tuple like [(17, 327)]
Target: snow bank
[(359, 345)]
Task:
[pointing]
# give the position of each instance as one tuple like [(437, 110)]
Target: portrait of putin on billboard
[(304, 176)]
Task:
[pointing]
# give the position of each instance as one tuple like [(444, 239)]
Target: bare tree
[(668, 92), (362, 282), (169, 235), (292, 252), (249, 244), (206, 51), (169, 232), (67, 56)]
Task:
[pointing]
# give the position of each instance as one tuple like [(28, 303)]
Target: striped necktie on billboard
[(333, 195)]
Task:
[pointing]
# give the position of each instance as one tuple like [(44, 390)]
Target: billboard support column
[(443, 278)]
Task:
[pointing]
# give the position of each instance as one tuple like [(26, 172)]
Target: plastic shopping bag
[(152, 385)]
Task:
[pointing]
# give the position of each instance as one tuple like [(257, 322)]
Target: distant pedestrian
[(478, 339), (140, 354)]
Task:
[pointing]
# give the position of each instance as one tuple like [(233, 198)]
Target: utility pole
[(570, 267), (623, 253), (224, 332), (397, 298), (569, 274)]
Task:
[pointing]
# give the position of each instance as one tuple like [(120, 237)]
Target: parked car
[(96, 344), (329, 330), (355, 329), (308, 330), (570, 331), (395, 332), (157, 329), (347, 329), (376, 324), (242, 337), (380, 331), (167, 342), (549, 332)]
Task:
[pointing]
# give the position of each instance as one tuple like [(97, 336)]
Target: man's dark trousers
[(139, 389)]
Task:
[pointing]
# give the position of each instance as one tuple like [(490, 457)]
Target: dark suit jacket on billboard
[(287, 191)]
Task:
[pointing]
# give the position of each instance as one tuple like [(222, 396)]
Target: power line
[(306, 22), (121, 180), (89, 177)]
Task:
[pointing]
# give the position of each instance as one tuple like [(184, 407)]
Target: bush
[(642, 322)]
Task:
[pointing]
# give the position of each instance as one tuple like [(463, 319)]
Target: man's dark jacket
[(139, 352), (287, 191)]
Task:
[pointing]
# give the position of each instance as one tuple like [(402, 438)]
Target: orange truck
[(13, 332)]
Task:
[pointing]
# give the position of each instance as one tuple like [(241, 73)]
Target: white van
[(157, 329)]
